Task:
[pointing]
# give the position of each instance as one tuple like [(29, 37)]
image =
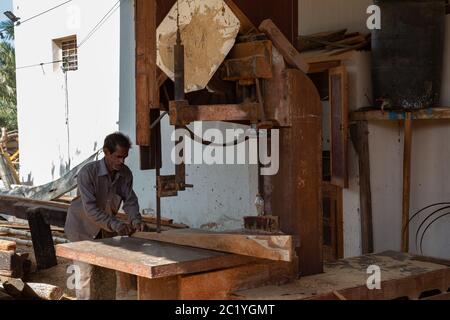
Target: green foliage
[(8, 101), (8, 27)]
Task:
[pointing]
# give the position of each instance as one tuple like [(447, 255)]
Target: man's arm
[(98, 216), (130, 201)]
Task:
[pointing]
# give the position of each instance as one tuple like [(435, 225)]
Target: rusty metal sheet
[(208, 32)]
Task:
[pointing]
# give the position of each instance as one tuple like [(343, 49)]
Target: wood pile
[(14, 267), (326, 46), (12, 263)]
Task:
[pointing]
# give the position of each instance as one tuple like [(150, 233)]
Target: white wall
[(326, 15), (101, 97), (93, 89)]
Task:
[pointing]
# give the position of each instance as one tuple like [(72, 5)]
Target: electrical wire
[(44, 12), (420, 211), (38, 64), (35, 16), (67, 116), (89, 35), (426, 229), (426, 219), (100, 23)]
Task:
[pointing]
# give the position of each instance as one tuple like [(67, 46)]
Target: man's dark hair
[(116, 139)]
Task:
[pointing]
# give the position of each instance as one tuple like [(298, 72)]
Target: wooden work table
[(402, 276), (170, 271)]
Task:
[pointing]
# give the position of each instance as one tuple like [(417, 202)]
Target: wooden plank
[(360, 137), (218, 285), (273, 247), (297, 187), (146, 83), (318, 67), (248, 68), (407, 146), (183, 114), (246, 25), (333, 249), (150, 219), (402, 276), (148, 259), (423, 114), (283, 45), (41, 235), (7, 260), (7, 245), (338, 83), (253, 48), (159, 289), (318, 40), (311, 57)]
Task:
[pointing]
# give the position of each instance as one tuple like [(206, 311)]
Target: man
[(102, 186)]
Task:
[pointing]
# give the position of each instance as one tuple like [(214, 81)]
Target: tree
[(8, 101), (8, 29)]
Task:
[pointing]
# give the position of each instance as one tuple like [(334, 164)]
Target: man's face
[(116, 159)]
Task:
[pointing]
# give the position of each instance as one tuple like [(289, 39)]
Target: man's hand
[(124, 229), (138, 225)]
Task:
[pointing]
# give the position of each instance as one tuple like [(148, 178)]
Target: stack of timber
[(12, 263), (332, 46)]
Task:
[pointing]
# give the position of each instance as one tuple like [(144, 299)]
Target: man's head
[(116, 147)]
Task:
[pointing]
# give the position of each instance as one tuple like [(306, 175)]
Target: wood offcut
[(273, 247)]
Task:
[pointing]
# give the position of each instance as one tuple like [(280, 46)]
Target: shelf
[(424, 114)]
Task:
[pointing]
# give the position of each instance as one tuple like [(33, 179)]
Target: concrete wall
[(93, 89), (101, 101)]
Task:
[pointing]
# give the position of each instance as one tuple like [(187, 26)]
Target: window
[(65, 50), (69, 55)]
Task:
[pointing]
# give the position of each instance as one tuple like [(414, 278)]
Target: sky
[(5, 5)]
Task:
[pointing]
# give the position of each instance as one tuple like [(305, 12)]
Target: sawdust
[(203, 39)]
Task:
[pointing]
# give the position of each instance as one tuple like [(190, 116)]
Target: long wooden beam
[(422, 114), (181, 113), (273, 247), (359, 134), (406, 181), (290, 54)]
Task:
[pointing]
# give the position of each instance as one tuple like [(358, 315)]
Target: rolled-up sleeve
[(130, 200), (95, 214)]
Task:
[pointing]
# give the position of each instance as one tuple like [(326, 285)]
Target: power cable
[(38, 64), (35, 16), (100, 23)]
